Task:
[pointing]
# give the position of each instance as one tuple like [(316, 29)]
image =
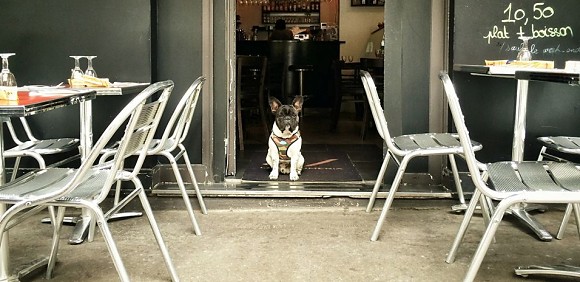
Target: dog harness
[(284, 143)]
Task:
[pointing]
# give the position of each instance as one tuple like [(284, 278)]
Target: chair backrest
[(468, 153), (141, 116), (26, 129), (376, 108), (179, 123), (251, 74)]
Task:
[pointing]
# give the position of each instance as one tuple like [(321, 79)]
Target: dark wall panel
[(179, 58), (43, 34)]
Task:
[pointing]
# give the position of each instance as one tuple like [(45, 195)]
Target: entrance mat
[(318, 167)]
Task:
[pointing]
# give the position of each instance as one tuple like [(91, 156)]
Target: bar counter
[(284, 53)]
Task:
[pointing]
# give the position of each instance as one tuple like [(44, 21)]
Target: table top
[(118, 88), (32, 102), (535, 74)]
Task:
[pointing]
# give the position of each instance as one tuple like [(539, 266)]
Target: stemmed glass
[(8, 85), (76, 72), (90, 71), (524, 54)]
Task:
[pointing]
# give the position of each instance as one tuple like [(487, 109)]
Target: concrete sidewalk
[(247, 239)]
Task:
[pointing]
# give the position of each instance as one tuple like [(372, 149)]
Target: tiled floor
[(365, 153)]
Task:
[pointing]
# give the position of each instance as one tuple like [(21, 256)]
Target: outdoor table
[(561, 76), (30, 103), (523, 76)]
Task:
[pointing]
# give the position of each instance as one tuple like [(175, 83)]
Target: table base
[(559, 269), (521, 213), (82, 223)]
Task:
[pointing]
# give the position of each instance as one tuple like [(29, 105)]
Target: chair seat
[(49, 146), (534, 176), (45, 181), (565, 144), (432, 141)]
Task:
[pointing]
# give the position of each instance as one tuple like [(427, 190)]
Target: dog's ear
[(275, 104), (297, 103)]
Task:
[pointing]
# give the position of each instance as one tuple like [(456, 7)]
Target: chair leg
[(108, 237), (486, 240), (378, 182), (541, 155), (193, 180), (566, 218), (184, 195), (463, 227), (390, 198), (156, 232), (458, 186), (15, 168), (57, 224)]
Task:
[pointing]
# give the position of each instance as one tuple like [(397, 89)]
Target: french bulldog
[(285, 144)]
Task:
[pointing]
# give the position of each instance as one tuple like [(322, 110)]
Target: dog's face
[(286, 116)]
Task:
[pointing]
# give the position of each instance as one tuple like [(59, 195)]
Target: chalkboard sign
[(490, 30)]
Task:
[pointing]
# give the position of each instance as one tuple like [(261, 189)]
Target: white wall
[(356, 26)]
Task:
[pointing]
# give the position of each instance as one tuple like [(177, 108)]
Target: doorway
[(330, 143)]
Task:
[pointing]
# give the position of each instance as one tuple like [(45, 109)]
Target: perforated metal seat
[(508, 182), (37, 148), (88, 186), (407, 147)]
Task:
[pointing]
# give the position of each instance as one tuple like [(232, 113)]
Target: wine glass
[(76, 72), (350, 58), (8, 85), (524, 54), (90, 70)]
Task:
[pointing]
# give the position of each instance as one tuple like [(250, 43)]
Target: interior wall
[(356, 25)]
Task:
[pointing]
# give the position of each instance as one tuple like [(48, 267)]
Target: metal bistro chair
[(407, 147), (508, 182), (37, 148), (567, 145), (170, 145), (88, 186)]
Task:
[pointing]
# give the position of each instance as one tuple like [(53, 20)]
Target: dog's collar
[(284, 143)]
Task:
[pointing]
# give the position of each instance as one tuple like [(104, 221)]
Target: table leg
[(521, 211), (4, 258)]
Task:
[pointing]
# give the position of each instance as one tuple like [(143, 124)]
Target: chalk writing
[(519, 23)]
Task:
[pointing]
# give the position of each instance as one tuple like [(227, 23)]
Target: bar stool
[(300, 69)]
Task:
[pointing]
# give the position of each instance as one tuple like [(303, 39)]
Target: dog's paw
[(294, 176), (273, 175)]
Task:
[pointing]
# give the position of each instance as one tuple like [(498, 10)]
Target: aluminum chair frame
[(567, 145), (170, 145), (406, 147), (89, 185), (36, 148), (508, 182)]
